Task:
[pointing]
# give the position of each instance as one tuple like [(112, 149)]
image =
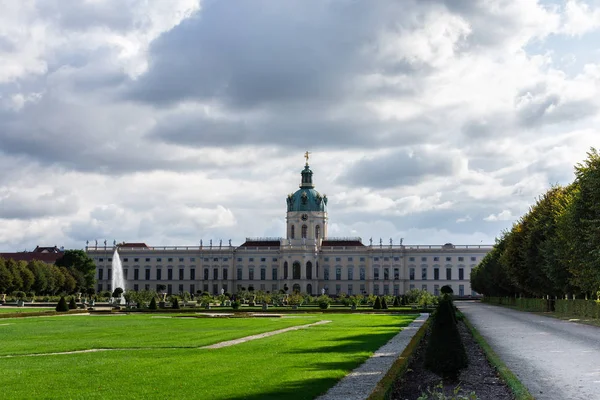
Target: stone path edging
[(362, 381), (261, 335)]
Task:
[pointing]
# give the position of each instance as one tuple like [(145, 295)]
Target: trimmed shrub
[(446, 289), (236, 304), (396, 302), (384, 305), (175, 303), (153, 305), (72, 304), (377, 304), (445, 354), (62, 305)]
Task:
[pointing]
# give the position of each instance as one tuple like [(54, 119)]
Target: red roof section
[(49, 258), (341, 243), (261, 243)]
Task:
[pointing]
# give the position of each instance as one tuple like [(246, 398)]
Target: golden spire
[(306, 155)]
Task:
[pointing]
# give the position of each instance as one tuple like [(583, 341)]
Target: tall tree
[(78, 260)]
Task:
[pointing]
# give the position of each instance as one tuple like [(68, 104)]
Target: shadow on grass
[(350, 344), (299, 390)]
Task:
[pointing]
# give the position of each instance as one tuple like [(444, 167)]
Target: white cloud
[(504, 215)]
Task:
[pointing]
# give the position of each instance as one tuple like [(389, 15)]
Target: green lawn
[(6, 310), (160, 358)]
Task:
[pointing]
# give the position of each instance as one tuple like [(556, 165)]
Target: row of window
[(159, 259), (304, 232), (159, 275), (436, 274), (448, 259), (274, 259), (296, 273)]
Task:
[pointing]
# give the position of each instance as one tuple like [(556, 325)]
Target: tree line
[(72, 273), (554, 249)]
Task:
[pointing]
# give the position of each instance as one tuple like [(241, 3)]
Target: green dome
[(306, 198)]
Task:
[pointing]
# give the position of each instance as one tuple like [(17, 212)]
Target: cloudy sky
[(171, 121)]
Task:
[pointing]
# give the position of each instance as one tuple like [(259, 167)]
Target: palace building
[(306, 259)]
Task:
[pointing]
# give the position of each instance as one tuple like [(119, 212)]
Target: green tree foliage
[(6, 277), (78, 260), (554, 249), (36, 276)]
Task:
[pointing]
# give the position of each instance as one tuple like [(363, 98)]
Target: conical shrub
[(62, 305), (384, 305), (445, 354), (396, 302), (152, 305), (377, 304), (72, 304), (175, 303)]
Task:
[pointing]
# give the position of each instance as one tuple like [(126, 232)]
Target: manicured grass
[(515, 385), (81, 332), (13, 310), (295, 365)]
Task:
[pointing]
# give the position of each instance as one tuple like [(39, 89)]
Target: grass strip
[(384, 388), (519, 390)]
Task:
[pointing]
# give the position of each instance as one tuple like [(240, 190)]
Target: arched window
[(296, 270), (308, 270), (317, 231), (285, 270), (304, 231), (293, 232)]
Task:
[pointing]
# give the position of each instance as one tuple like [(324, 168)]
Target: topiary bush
[(384, 305), (62, 305), (396, 302), (236, 304), (324, 301), (153, 305), (446, 289), (175, 303), (445, 354), (72, 304), (377, 304)]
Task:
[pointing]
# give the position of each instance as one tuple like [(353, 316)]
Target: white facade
[(306, 260)]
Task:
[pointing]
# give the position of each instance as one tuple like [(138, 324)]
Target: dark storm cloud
[(264, 53), (79, 137), (400, 168), (290, 127)]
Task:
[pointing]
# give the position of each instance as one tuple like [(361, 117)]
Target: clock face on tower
[(304, 217)]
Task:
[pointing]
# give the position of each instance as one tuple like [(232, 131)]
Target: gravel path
[(262, 335), (361, 382), (554, 359)]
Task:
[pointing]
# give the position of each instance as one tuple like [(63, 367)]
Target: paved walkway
[(554, 359), (361, 382)]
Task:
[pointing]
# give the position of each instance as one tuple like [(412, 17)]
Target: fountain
[(118, 281)]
